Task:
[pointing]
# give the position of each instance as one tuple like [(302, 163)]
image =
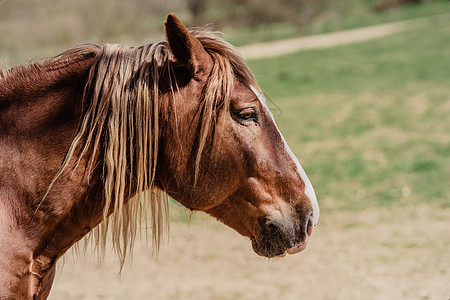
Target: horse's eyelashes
[(247, 114)]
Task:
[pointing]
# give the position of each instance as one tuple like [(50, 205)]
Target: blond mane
[(122, 94)]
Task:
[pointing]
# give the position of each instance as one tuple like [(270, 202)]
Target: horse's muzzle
[(280, 236)]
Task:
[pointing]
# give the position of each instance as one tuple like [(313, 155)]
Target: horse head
[(221, 152)]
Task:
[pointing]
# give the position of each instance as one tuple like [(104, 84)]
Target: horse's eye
[(247, 114)]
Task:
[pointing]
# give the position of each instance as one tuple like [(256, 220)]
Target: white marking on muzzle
[(309, 190)]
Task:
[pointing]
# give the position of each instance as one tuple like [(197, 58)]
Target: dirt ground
[(374, 254)]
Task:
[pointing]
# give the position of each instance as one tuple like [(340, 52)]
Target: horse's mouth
[(274, 243)]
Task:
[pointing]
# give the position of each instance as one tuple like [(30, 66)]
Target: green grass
[(361, 14), (369, 122), (31, 30), (340, 15)]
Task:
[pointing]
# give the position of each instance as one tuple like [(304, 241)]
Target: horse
[(95, 138)]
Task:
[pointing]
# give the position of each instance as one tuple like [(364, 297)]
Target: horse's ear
[(187, 49)]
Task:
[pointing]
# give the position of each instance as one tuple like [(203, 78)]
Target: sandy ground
[(374, 254)]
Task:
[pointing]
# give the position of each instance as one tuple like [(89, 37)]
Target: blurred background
[(369, 121)]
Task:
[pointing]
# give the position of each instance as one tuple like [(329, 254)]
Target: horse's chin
[(274, 243), (281, 251), (276, 247)]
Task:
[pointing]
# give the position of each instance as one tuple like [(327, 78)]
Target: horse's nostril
[(310, 225), (311, 220), (309, 230)]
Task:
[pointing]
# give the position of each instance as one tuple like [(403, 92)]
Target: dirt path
[(328, 40), (376, 254)]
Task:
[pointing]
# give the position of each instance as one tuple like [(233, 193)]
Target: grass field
[(340, 15), (36, 29), (370, 121)]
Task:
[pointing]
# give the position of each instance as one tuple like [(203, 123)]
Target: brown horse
[(100, 135)]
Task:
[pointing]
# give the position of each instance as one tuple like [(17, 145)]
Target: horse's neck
[(37, 125)]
